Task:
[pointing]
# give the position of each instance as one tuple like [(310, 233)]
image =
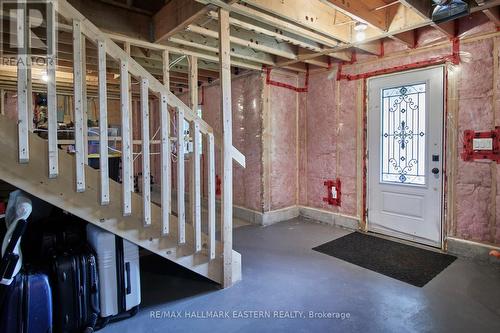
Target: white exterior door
[(405, 155)]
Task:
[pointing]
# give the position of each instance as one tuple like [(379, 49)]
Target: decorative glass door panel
[(403, 139), (405, 149)]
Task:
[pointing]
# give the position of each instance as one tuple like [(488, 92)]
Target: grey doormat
[(406, 263)]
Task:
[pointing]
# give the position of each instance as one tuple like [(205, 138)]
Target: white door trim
[(385, 230)]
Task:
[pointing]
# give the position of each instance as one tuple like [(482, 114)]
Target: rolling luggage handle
[(10, 259), (91, 325), (129, 286)]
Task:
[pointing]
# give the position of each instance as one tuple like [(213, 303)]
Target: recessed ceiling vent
[(447, 10)]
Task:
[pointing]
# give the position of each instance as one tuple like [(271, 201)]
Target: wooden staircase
[(38, 167)]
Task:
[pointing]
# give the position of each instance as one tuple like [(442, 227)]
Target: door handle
[(435, 171)]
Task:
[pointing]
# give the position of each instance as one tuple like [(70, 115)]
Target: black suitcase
[(75, 292)]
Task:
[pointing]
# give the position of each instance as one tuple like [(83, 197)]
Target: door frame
[(444, 153)]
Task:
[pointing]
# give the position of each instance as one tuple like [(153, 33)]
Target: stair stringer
[(61, 192)]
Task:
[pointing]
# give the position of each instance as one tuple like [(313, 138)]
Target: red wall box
[(330, 185), (469, 154)]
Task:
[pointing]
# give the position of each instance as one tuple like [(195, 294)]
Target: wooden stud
[(227, 145), (166, 177), (181, 213), (22, 85), (166, 69), (452, 153), (175, 16), (114, 51), (103, 124), (211, 196), (146, 167), (276, 49), (78, 105), (126, 142), (197, 185), (127, 48), (2, 102), (85, 103), (53, 151), (193, 105)]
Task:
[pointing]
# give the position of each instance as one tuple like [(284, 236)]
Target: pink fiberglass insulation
[(330, 127), (246, 96), (347, 146), (475, 91), (10, 105), (477, 207), (283, 113), (302, 103)]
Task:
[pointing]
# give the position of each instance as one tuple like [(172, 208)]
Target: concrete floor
[(282, 273)]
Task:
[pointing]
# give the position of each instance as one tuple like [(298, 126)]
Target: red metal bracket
[(333, 189), (469, 154)]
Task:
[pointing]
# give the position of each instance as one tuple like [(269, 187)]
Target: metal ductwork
[(447, 10)]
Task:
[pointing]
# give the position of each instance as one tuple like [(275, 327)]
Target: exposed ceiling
[(292, 34)]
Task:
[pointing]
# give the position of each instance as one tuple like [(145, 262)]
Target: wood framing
[(362, 12), (166, 177), (126, 143), (193, 105), (175, 16), (197, 185), (181, 212), (53, 151), (23, 88), (172, 238), (166, 69), (103, 124), (227, 137), (85, 102), (78, 107), (146, 168), (211, 196), (493, 14)]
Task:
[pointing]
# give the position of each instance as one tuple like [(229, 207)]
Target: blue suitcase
[(27, 305)]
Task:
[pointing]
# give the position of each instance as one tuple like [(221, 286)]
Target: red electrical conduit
[(453, 58), (286, 85)]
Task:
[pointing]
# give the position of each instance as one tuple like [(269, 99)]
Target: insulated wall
[(330, 117), (246, 95)]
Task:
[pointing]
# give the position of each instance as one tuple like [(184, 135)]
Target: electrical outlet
[(482, 144)]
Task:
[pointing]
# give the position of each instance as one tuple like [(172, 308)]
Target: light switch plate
[(482, 144), (334, 192)]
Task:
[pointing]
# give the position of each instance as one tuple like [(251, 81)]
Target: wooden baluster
[(126, 142), (197, 185), (23, 88), (103, 123), (85, 103), (78, 95), (165, 165), (211, 196), (146, 168), (52, 93), (181, 212), (166, 170), (193, 105)]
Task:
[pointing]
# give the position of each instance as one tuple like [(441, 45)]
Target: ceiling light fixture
[(360, 36), (360, 26)]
